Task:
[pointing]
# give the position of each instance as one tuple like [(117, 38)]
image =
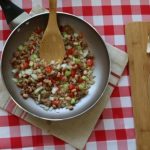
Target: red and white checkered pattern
[(115, 128)]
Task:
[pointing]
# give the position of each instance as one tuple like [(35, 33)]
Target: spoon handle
[(52, 14), (53, 5)]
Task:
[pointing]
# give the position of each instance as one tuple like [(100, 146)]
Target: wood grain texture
[(139, 71)]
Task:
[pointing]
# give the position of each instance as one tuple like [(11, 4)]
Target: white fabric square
[(18, 3), (131, 144), (1, 46), (5, 132), (27, 148), (25, 130), (96, 2), (3, 113), (128, 123), (91, 145), (124, 81), (69, 147), (125, 101), (36, 2), (49, 148), (115, 2), (1, 25), (117, 20), (136, 18), (112, 145), (119, 39), (98, 20), (81, 17), (109, 124), (134, 2), (76, 2)]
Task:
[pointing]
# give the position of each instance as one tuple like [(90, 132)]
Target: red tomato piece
[(71, 94), (38, 30), (90, 62), (48, 69), (70, 51), (80, 80), (71, 86), (25, 65), (56, 102), (73, 72), (53, 81)]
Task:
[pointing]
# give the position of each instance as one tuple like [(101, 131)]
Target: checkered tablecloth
[(115, 127)]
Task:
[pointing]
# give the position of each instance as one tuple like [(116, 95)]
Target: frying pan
[(22, 31)]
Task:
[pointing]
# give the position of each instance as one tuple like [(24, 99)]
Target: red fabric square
[(126, 10), (117, 113), (6, 34), (58, 141), (16, 142), (67, 9), (37, 140), (115, 93), (100, 135), (121, 134), (13, 120), (107, 10), (87, 10), (108, 30), (145, 9)]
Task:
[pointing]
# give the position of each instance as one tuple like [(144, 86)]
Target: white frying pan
[(14, 16)]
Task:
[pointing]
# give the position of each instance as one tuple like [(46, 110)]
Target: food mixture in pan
[(54, 85)]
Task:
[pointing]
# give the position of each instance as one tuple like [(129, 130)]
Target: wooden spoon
[(52, 45)]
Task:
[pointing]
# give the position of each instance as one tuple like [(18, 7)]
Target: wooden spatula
[(52, 45)]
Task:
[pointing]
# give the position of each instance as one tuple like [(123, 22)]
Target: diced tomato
[(56, 102), (53, 81), (90, 62), (73, 72), (25, 65), (71, 86), (16, 75), (63, 78), (70, 51), (80, 80), (71, 94), (48, 69), (38, 30)]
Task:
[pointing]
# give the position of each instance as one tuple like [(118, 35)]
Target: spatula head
[(52, 46)]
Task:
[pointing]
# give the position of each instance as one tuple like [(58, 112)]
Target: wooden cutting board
[(139, 71)]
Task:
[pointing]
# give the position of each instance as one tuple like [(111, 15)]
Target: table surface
[(115, 127)]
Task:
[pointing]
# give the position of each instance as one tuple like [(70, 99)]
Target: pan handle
[(13, 14)]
